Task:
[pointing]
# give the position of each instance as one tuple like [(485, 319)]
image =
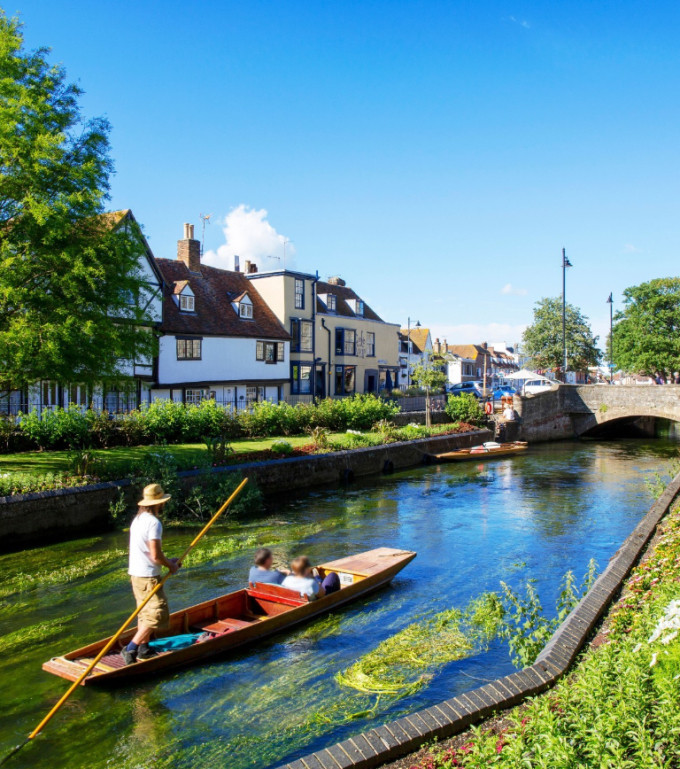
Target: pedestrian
[(676, 377), (146, 559)]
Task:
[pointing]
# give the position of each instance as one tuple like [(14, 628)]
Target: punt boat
[(237, 620), (485, 451)]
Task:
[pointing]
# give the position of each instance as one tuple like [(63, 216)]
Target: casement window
[(359, 307), (270, 352), (299, 294), (370, 344), (49, 393), (119, 401), (245, 311), (186, 303), (189, 349), (301, 379), (345, 341), (196, 396), (251, 395), (301, 331), (332, 303), (345, 380), (77, 394)]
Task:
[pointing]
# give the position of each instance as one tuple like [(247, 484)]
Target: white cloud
[(629, 248), (476, 333), (248, 234), (522, 22), (510, 290)]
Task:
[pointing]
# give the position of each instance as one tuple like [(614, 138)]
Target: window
[(251, 395), (370, 344), (50, 394), (345, 380), (299, 294), (196, 396), (189, 349), (332, 303), (359, 307), (186, 303), (270, 352), (345, 341), (301, 379), (301, 331), (245, 311)]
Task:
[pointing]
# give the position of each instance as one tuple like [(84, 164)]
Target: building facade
[(219, 338), (415, 348)]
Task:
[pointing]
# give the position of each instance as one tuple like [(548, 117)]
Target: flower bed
[(619, 708)]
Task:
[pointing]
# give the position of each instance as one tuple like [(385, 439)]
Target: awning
[(526, 374)]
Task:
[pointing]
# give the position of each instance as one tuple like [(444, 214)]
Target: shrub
[(266, 419), (7, 432), (359, 412), (103, 428), (320, 438), (164, 421), (282, 447), (56, 427), (85, 463), (219, 449), (209, 419), (465, 408)]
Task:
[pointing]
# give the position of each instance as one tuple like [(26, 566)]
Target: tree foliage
[(65, 269), (543, 338), (647, 330), (430, 376)]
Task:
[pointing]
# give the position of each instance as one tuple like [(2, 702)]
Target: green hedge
[(170, 422)]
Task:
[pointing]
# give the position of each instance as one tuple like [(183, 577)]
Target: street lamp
[(565, 263), (408, 352), (610, 302)]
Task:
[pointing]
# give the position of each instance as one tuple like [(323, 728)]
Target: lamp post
[(565, 263), (610, 302), (408, 352)]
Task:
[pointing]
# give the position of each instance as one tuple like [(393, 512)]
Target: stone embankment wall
[(32, 518), (407, 734)]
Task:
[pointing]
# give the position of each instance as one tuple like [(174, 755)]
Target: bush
[(360, 412), (282, 447), (56, 427), (164, 421), (268, 419), (465, 408)]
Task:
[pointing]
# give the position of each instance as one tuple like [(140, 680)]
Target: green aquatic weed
[(32, 634)]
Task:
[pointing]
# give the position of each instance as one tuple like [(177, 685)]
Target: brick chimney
[(189, 250)]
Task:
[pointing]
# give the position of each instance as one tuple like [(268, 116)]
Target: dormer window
[(357, 306), (186, 303), (332, 303), (244, 306)]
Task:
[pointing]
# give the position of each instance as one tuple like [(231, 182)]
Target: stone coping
[(407, 734)]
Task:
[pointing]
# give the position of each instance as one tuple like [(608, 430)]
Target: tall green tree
[(543, 338), (647, 330), (66, 269)]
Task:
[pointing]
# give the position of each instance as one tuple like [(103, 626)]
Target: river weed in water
[(33, 634)]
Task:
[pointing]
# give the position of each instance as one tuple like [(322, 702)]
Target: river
[(533, 516)]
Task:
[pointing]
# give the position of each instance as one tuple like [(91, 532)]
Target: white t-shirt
[(304, 585), (509, 414), (143, 529)]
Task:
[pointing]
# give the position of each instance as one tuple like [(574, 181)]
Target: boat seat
[(277, 594), (222, 626)]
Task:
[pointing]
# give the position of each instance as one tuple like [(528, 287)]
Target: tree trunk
[(428, 418)]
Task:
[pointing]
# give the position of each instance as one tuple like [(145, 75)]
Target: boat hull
[(238, 609), (470, 455)]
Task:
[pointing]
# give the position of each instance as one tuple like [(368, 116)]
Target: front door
[(320, 380)]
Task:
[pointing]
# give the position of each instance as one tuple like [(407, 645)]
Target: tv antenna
[(205, 218)]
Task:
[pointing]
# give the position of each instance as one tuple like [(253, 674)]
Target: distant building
[(415, 347), (469, 362)]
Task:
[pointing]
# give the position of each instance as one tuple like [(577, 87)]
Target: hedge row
[(166, 421)]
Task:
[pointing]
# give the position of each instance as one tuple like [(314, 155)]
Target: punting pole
[(123, 627)]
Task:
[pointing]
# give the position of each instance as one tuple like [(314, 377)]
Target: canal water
[(534, 516)]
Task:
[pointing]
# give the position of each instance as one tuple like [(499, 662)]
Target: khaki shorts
[(155, 614)]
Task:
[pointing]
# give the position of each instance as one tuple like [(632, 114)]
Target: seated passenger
[(262, 570), (306, 581)]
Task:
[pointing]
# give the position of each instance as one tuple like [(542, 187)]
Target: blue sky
[(437, 155)]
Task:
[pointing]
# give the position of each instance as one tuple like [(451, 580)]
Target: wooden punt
[(483, 452), (238, 619)]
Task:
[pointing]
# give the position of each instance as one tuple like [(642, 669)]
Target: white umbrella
[(526, 374)]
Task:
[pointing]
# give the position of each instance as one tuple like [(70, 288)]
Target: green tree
[(430, 376), (647, 330), (66, 269), (543, 338)]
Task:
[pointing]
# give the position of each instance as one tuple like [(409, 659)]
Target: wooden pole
[(124, 626)]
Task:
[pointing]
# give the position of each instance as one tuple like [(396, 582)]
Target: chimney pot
[(237, 263), (246, 267), (188, 231)]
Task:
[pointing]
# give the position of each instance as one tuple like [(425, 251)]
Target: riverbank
[(27, 519), (620, 707)]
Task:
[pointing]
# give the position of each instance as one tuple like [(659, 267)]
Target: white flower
[(653, 662), (637, 648), (354, 432), (667, 639)]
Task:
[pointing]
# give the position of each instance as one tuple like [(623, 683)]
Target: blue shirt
[(271, 577)]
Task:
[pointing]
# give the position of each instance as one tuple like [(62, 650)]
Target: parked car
[(473, 388), (536, 386), (499, 392)]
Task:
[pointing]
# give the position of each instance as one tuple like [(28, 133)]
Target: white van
[(536, 386)]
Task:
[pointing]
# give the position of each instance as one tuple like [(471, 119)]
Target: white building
[(219, 337)]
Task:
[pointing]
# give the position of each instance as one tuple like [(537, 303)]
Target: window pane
[(197, 348), (181, 348), (269, 352), (295, 333), (259, 351), (339, 344), (349, 379), (350, 336), (305, 379), (339, 381), (370, 343), (280, 351), (306, 336)]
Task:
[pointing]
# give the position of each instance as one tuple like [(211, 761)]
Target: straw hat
[(153, 495)]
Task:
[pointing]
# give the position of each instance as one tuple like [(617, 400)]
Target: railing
[(418, 403)]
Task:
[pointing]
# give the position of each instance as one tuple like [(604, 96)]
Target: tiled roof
[(469, 351), (179, 286), (343, 294), (418, 337), (215, 290)]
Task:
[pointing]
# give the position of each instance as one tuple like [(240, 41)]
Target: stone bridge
[(569, 411)]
